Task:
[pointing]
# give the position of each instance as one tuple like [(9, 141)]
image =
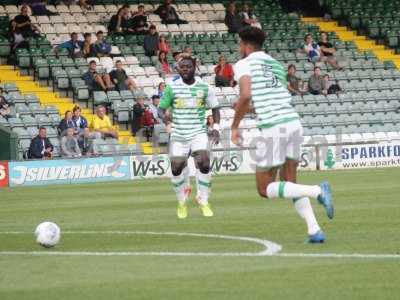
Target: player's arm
[(242, 107), (165, 104)]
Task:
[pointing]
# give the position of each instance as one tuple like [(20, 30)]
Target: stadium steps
[(362, 42), (26, 85)]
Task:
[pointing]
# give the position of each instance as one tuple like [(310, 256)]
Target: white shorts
[(277, 144), (186, 148)]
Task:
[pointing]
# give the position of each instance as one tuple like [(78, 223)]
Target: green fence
[(8, 144)]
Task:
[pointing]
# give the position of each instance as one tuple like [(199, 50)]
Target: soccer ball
[(47, 234)]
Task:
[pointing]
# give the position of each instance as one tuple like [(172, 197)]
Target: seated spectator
[(38, 8), (101, 47), (23, 25), (161, 88), (223, 73), (40, 147), (210, 124), (86, 4), (101, 124), (80, 122), (66, 123), (155, 102), (87, 48), (17, 40), (142, 116), (232, 20), (316, 83), (162, 65), (150, 42), (96, 81), (85, 142), (295, 84), (74, 46), (177, 57), (4, 107), (247, 16), (312, 49), (328, 50), (168, 14), (332, 88), (69, 145), (139, 21), (163, 45), (120, 23), (121, 79)]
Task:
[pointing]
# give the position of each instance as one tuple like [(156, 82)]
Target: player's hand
[(214, 137), (236, 137)]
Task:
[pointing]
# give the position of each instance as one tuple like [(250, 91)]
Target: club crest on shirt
[(199, 94), (179, 103)]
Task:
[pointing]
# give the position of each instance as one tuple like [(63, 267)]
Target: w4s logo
[(270, 78)]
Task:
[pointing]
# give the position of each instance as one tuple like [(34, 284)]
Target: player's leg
[(279, 144), (178, 153), (203, 181), (288, 172)]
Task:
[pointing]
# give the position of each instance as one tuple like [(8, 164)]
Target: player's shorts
[(185, 148), (277, 144)]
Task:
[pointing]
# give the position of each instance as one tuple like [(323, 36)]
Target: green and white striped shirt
[(270, 96), (189, 104)]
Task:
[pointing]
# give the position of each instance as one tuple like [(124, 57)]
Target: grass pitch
[(366, 222)]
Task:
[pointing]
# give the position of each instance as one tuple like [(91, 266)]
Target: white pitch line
[(339, 255)]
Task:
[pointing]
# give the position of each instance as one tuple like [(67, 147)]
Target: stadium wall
[(8, 144), (107, 169)]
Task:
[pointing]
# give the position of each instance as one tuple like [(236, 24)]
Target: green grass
[(367, 221)]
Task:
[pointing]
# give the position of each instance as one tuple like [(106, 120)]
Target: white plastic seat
[(75, 9), (64, 37), (54, 39), (131, 60), (195, 7), (209, 28), (11, 9), (202, 17), (221, 27), (56, 19), (100, 28), (206, 7), (74, 28), (197, 28), (219, 7), (115, 50), (43, 20), (144, 81), (89, 59), (2, 10), (93, 18), (149, 7), (99, 9), (173, 28), (121, 58), (87, 28), (190, 17), (151, 71), (138, 71), (186, 28), (81, 19), (154, 18), (47, 29), (183, 8), (62, 9), (111, 8), (162, 28), (61, 29)]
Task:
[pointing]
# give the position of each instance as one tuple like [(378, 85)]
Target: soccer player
[(262, 83), (188, 98)]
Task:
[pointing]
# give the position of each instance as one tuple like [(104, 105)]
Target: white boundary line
[(270, 248)]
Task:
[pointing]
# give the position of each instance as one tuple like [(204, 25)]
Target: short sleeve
[(212, 100), (167, 98), (242, 68)]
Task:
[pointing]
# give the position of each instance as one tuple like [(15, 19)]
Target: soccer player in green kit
[(188, 98)]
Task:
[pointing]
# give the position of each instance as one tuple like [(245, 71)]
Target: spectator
[(210, 124), (74, 46), (96, 81), (295, 84), (86, 4), (142, 116), (66, 123), (38, 8), (80, 122), (328, 50), (232, 20), (121, 79), (40, 146), (23, 25), (85, 143), (332, 88), (247, 16), (17, 40), (161, 88), (177, 57), (139, 21), (223, 73), (162, 65), (101, 124), (155, 102), (163, 45), (4, 107), (150, 42), (168, 14), (69, 145), (312, 49), (316, 83), (87, 48), (120, 23), (101, 47)]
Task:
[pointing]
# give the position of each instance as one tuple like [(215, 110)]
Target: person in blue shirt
[(101, 47), (74, 46), (80, 122)]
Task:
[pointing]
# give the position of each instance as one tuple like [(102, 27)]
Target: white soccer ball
[(47, 234)]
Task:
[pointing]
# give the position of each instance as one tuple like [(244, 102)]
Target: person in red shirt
[(224, 73), (163, 45)]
